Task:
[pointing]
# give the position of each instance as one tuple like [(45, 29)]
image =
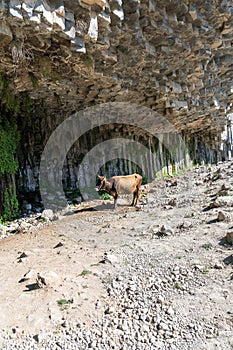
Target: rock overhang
[(173, 57)]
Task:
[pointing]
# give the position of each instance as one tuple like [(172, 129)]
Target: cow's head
[(101, 183)]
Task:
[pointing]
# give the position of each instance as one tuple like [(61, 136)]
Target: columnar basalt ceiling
[(173, 56)]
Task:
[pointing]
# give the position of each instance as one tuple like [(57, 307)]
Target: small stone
[(158, 344), (172, 202), (213, 205), (110, 258), (119, 278), (27, 276), (25, 226), (23, 255), (170, 311), (163, 326), (64, 324), (110, 310), (164, 231), (221, 216), (46, 279), (39, 337), (13, 228), (23, 260), (60, 244), (48, 214), (199, 267), (160, 299), (2, 229), (145, 328), (198, 182), (218, 266), (93, 344), (223, 191), (14, 330), (229, 237), (124, 326)]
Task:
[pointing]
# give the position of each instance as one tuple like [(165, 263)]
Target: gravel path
[(160, 276)]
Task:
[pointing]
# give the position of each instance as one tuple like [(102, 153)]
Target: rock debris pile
[(163, 291)]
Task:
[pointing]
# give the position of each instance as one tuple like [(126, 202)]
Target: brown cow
[(121, 185)]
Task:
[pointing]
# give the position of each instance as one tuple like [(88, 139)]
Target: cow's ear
[(101, 177)]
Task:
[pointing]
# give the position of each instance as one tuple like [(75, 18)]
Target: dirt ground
[(69, 253)]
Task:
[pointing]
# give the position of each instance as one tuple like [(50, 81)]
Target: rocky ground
[(158, 276)]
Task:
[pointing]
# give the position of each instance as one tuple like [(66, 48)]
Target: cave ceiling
[(174, 57)]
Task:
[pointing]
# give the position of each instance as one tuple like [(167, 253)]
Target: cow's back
[(127, 184)]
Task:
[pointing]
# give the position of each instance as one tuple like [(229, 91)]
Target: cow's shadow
[(93, 209), (106, 206)]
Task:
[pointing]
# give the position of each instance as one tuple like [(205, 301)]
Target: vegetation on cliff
[(9, 136)]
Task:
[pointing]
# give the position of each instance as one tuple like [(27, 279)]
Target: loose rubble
[(166, 270)]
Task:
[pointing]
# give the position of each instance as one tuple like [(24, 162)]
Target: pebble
[(229, 237), (221, 216)]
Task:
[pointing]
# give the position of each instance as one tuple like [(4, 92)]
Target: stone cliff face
[(172, 56)]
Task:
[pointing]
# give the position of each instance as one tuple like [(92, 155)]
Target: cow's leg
[(115, 200), (134, 198)]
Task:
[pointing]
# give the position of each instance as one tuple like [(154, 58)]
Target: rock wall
[(174, 57)]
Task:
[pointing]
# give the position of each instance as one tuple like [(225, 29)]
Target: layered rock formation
[(172, 56)]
